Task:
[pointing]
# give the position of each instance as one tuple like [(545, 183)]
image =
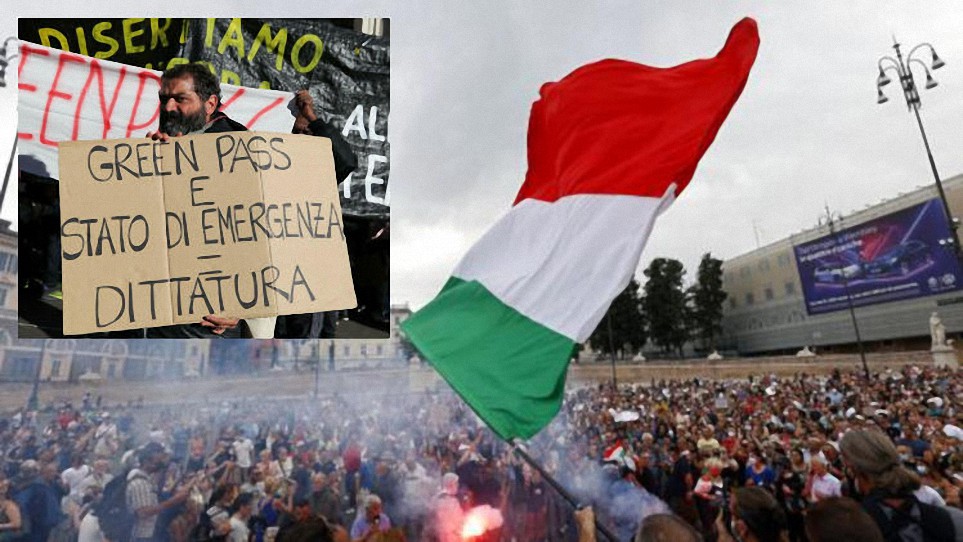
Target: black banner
[(141, 42), (346, 72)]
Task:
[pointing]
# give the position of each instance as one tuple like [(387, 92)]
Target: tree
[(706, 298), (664, 304), (628, 325)]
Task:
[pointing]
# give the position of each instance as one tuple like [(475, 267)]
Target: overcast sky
[(806, 132)]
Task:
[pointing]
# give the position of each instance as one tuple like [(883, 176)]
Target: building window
[(790, 288), (4, 260), (13, 265), (764, 265), (3, 296), (347, 350), (744, 272), (55, 368), (783, 260), (750, 299), (364, 350), (769, 294), (379, 350), (111, 370)]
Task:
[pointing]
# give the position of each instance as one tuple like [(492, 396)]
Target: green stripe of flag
[(507, 367)]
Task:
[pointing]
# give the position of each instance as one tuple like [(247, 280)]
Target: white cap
[(953, 431)]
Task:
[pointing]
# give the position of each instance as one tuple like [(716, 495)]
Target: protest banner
[(68, 97), (241, 224), (142, 42), (346, 72)]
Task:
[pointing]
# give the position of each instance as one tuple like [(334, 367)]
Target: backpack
[(911, 521), (116, 520)]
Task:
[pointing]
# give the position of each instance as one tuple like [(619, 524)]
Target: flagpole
[(558, 487), (615, 382)]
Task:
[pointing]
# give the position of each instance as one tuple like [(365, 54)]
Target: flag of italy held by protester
[(610, 147)]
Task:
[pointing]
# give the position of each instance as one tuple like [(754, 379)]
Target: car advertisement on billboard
[(894, 257)]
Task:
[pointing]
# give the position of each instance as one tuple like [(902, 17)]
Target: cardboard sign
[(241, 224)]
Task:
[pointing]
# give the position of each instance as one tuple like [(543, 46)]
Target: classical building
[(337, 354), (77, 360), (8, 283), (891, 261)]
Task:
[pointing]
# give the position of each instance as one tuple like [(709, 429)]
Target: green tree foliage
[(628, 325), (705, 299), (664, 304)]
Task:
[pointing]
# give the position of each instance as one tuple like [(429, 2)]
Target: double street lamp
[(903, 71), (5, 60)]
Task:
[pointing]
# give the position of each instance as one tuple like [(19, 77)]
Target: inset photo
[(203, 178)]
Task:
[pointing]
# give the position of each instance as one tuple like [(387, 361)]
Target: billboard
[(894, 257)]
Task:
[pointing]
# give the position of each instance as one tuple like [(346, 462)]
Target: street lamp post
[(317, 367), (615, 381), (912, 96), (33, 402), (831, 222)]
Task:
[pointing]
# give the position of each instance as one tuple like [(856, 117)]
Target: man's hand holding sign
[(202, 228)]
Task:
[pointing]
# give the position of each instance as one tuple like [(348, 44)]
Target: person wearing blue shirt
[(370, 521), (760, 473)]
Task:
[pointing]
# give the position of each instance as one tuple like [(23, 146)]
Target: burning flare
[(474, 526), (479, 520)]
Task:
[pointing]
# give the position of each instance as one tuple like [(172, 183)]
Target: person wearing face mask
[(925, 493), (754, 516), (708, 492), (887, 491)]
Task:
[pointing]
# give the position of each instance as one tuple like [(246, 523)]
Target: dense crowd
[(423, 467), (693, 443)]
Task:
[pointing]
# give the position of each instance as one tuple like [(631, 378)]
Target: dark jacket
[(344, 159)]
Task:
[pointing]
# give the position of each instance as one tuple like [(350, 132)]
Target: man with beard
[(190, 99)]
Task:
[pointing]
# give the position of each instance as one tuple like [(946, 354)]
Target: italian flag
[(610, 147)]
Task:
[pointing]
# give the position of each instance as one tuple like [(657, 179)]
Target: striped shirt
[(140, 494)]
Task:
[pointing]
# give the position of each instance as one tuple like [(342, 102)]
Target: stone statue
[(937, 330)]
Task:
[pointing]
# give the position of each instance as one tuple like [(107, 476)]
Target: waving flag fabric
[(609, 148)]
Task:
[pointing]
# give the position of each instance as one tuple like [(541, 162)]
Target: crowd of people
[(760, 459), (697, 443)]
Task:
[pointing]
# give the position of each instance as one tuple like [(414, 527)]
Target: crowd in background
[(414, 467)]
